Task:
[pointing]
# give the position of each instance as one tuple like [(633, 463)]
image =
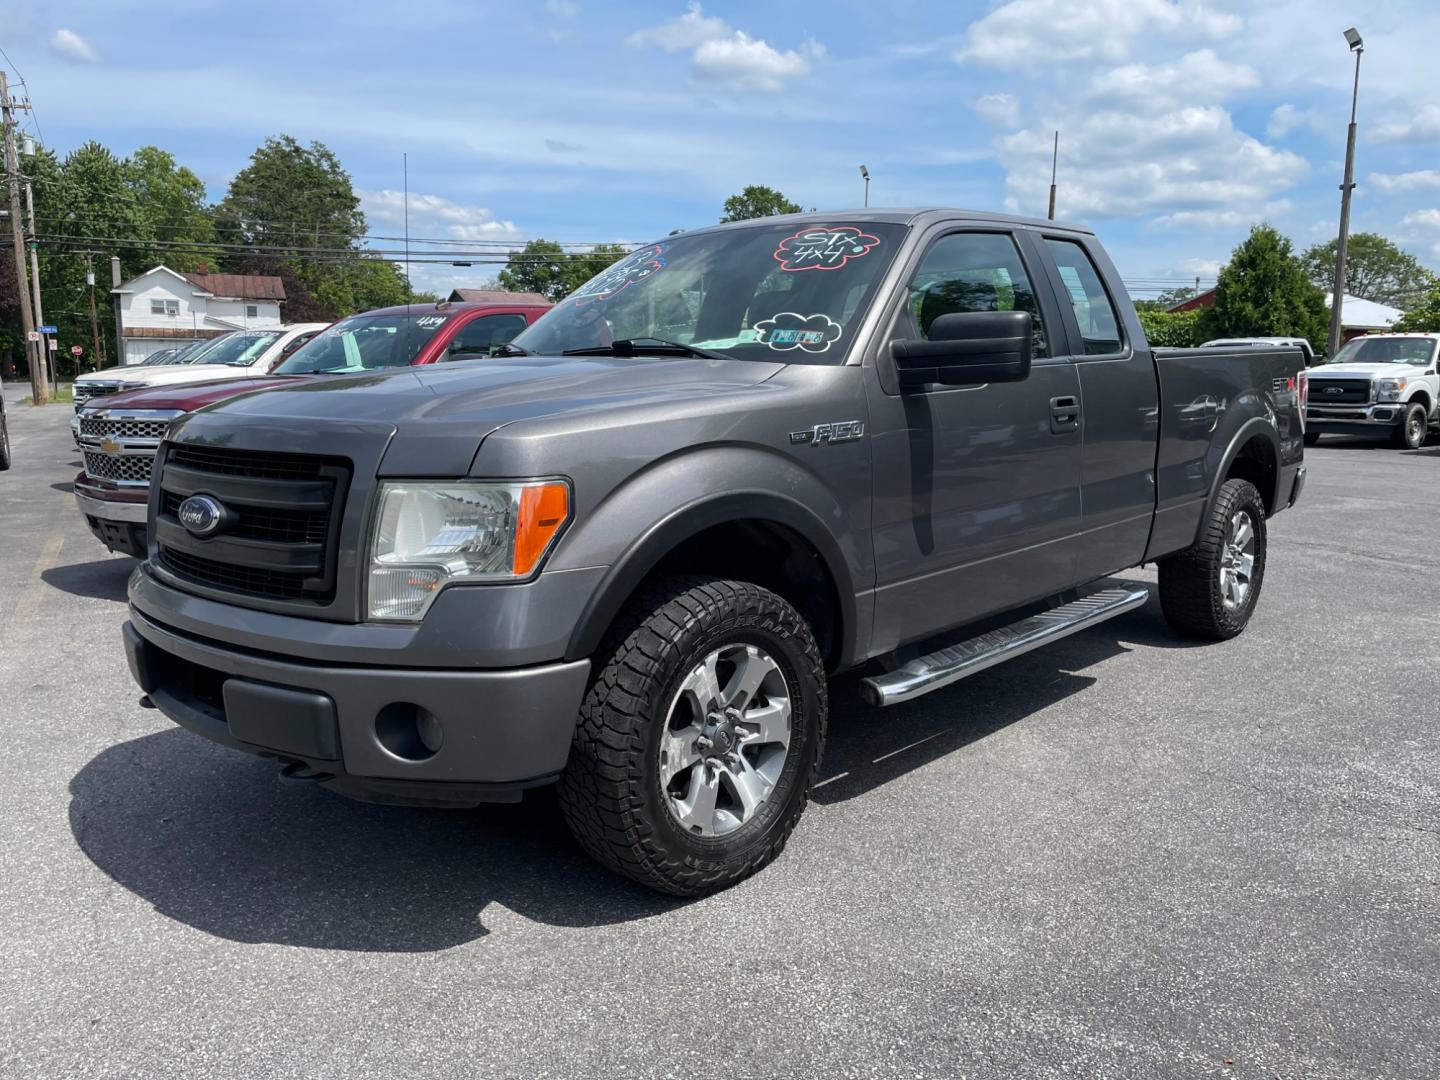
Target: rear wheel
[(1209, 591), (699, 738), (4, 444), (1410, 433)]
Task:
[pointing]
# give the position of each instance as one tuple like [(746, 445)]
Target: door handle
[(1064, 414)]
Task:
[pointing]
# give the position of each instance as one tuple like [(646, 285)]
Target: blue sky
[(1181, 122)]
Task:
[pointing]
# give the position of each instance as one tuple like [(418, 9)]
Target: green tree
[(543, 266), (1264, 292), (1424, 314), (1170, 329), (170, 209), (757, 201), (1375, 268)]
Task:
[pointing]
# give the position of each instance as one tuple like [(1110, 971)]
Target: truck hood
[(440, 413), (1368, 371), (187, 397)]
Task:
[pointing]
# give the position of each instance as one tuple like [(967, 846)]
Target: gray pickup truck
[(625, 555)]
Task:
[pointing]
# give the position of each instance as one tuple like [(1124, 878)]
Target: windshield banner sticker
[(429, 322), (828, 247), (790, 330), (637, 266)]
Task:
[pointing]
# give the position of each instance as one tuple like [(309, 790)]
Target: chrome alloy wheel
[(725, 740), (1237, 561)]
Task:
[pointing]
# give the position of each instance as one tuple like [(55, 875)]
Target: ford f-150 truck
[(1380, 386), (626, 555), (118, 434)]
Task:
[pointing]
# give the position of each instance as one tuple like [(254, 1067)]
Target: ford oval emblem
[(200, 514)]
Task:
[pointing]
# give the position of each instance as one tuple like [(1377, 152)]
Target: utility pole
[(1054, 166), (94, 318), (115, 283), (1342, 244), (39, 392)]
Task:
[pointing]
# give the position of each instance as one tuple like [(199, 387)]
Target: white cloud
[(1287, 118), (560, 146), (72, 46), (434, 215), (1201, 268), (1040, 33), (728, 57), (565, 9), (1423, 219), (1196, 78), (1394, 183), (1420, 127), (1002, 110)]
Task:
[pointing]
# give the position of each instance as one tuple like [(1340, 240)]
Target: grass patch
[(65, 396)]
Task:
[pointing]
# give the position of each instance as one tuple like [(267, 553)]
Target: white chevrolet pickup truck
[(1380, 385)]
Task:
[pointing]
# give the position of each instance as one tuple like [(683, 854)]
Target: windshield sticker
[(829, 247), (637, 266), (430, 322), (790, 330)]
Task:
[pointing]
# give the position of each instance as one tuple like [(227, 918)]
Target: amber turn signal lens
[(543, 509)]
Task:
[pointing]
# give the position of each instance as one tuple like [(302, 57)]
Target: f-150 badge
[(837, 432)]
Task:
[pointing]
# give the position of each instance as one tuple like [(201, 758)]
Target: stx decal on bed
[(826, 247), (788, 330), (637, 266)]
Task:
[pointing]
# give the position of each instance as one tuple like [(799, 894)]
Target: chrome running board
[(950, 665)]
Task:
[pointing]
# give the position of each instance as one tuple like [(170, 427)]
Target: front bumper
[(119, 524), (352, 727), (1378, 418)]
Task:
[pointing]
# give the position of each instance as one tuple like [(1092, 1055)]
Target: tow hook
[(297, 772)]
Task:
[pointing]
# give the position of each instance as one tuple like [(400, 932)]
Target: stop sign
[(76, 350)]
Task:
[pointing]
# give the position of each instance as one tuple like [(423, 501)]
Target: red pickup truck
[(120, 433)]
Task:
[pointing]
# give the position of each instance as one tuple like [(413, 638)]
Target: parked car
[(1380, 386), (113, 379), (626, 555), (1303, 344), (119, 434)]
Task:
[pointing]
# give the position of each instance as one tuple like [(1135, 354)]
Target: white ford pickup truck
[(1380, 385)]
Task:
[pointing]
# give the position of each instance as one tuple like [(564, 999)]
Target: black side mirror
[(968, 348)]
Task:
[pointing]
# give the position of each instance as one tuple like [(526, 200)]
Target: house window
[(164, 307), (252, 311)]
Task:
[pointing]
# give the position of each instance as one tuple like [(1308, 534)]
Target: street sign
[(76, 350), (46, 329), (33, 335)]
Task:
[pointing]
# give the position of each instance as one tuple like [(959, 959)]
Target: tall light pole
[(1337, 295), (865, 175)]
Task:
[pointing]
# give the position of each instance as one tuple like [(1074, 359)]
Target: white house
[(1359, 316), (162, 308)]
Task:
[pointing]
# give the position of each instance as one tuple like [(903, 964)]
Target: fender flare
[(1256, 425), (668, 533)]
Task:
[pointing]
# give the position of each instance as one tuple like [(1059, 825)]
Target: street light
[(1337, 295), (865, 173)]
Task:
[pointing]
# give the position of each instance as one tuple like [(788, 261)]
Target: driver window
[(965, 272), (481, 336)]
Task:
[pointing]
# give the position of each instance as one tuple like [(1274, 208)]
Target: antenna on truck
[(1054, 162)]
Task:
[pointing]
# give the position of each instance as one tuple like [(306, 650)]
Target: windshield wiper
[(646, 346)]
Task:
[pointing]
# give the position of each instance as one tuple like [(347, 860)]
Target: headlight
[(427, 535), (1390, 389)]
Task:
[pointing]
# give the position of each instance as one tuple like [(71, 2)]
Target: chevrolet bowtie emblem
[(110, 446)]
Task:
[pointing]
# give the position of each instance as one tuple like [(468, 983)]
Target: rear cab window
[(1082, 286)]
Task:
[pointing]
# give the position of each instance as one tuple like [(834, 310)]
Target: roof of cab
[(447, 307), (901, 216)]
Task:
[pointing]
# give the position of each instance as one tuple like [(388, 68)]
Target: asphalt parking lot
[(1124, 856)]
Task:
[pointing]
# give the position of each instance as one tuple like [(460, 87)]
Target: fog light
[(408, 731)]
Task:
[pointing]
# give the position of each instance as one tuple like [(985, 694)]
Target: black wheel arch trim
[(669, 533), (1256, 425)]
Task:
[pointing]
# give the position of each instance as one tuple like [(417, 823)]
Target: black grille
[(1337, 391), (118, 468), (279, 533), (255, 463), (279, 584)]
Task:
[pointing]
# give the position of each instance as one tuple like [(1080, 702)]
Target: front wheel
[(699, 737), (1410, 433), (4, 445), (1311, 438), (1210, 589)]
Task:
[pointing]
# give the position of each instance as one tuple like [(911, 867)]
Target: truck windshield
[(240, 350), (365, 342), (773, 290), (1383, 350)]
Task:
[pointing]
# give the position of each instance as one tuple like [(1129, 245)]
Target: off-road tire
[(1190, 580), (611, 793), (4, 444), (1410, 433), (1311, 438)]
